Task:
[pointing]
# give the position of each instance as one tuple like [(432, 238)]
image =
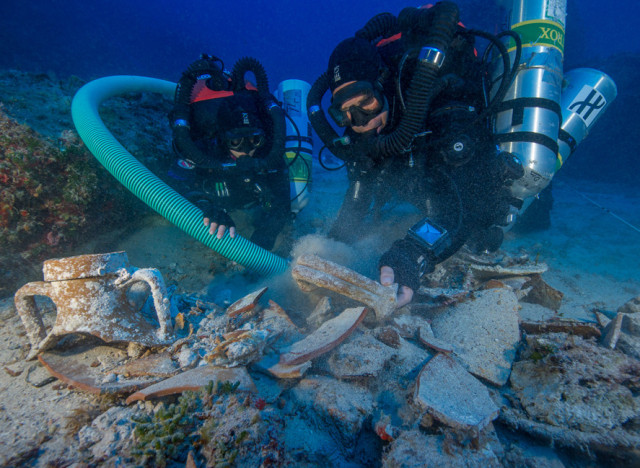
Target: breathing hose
[(143, 183), (382, 25), (250, 64)]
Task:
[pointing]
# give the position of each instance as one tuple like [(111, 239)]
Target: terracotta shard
[(425, 335), (321, 312), (195, 379), (274, 311), (328, 336), (76, 370), (155, 365), (541, 293), (498, 271), (282, 371), (311, 269), (585, 330), (248, 302)]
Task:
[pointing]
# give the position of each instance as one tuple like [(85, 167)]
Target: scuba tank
[(299, 143), (527, 122), (544, 115), (586, 94)]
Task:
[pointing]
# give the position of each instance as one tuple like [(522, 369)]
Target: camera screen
[(428, 233)]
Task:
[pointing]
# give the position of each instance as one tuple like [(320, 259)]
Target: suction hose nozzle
[(144, 184)]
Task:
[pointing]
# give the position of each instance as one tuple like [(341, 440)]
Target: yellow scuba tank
[(299, 142)]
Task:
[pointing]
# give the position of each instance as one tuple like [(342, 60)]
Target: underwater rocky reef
[(54, 193)]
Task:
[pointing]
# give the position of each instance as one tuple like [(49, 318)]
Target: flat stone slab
[(193, 380), (328, 336), (346, 404), (414, 448), (453, 396), (483, 333), (360, 356)]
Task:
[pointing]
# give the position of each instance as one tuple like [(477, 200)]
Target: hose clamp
[(431, 55)]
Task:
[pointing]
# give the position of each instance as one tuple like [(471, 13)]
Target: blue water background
[(293, 39)]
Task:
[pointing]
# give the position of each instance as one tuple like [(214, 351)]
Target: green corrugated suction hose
[(143, 183)]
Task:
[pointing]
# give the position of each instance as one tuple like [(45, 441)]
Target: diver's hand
[(220, 228), (218, 221), (405, 293)]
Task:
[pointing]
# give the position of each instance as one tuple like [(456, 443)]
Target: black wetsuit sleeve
[(274, 207)]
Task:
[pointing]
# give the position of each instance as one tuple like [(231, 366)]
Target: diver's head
[(244, 141), (242, 131), (354, 80)]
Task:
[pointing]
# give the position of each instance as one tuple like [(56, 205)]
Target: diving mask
[(245, 140), (365, 101)]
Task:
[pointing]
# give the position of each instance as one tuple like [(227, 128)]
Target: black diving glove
[(216, 215), (408, 262)]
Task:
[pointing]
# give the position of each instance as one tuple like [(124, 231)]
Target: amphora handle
[(161, 301), (28, 310)]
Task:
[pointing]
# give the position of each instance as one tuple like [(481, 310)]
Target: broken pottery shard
[(156, 365), (611, 333), (325, 338), (442, 292), (276, 320), (541, 293), (453, 396), (585, 330), (483, 332), (498, 271), (248, 302), (74, 369), (281, 371), (195, 379), (408, 325), (312, 269), (426, 337), (321, 313)]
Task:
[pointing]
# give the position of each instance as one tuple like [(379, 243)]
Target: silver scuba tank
[(586, 94), (528, 121)]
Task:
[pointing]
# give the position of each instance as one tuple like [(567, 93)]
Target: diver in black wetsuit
[(229, 138), (409, 90)]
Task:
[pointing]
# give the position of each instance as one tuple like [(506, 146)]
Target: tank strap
[(301, 138), (565, 137), (518, 106), (530, 137)]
